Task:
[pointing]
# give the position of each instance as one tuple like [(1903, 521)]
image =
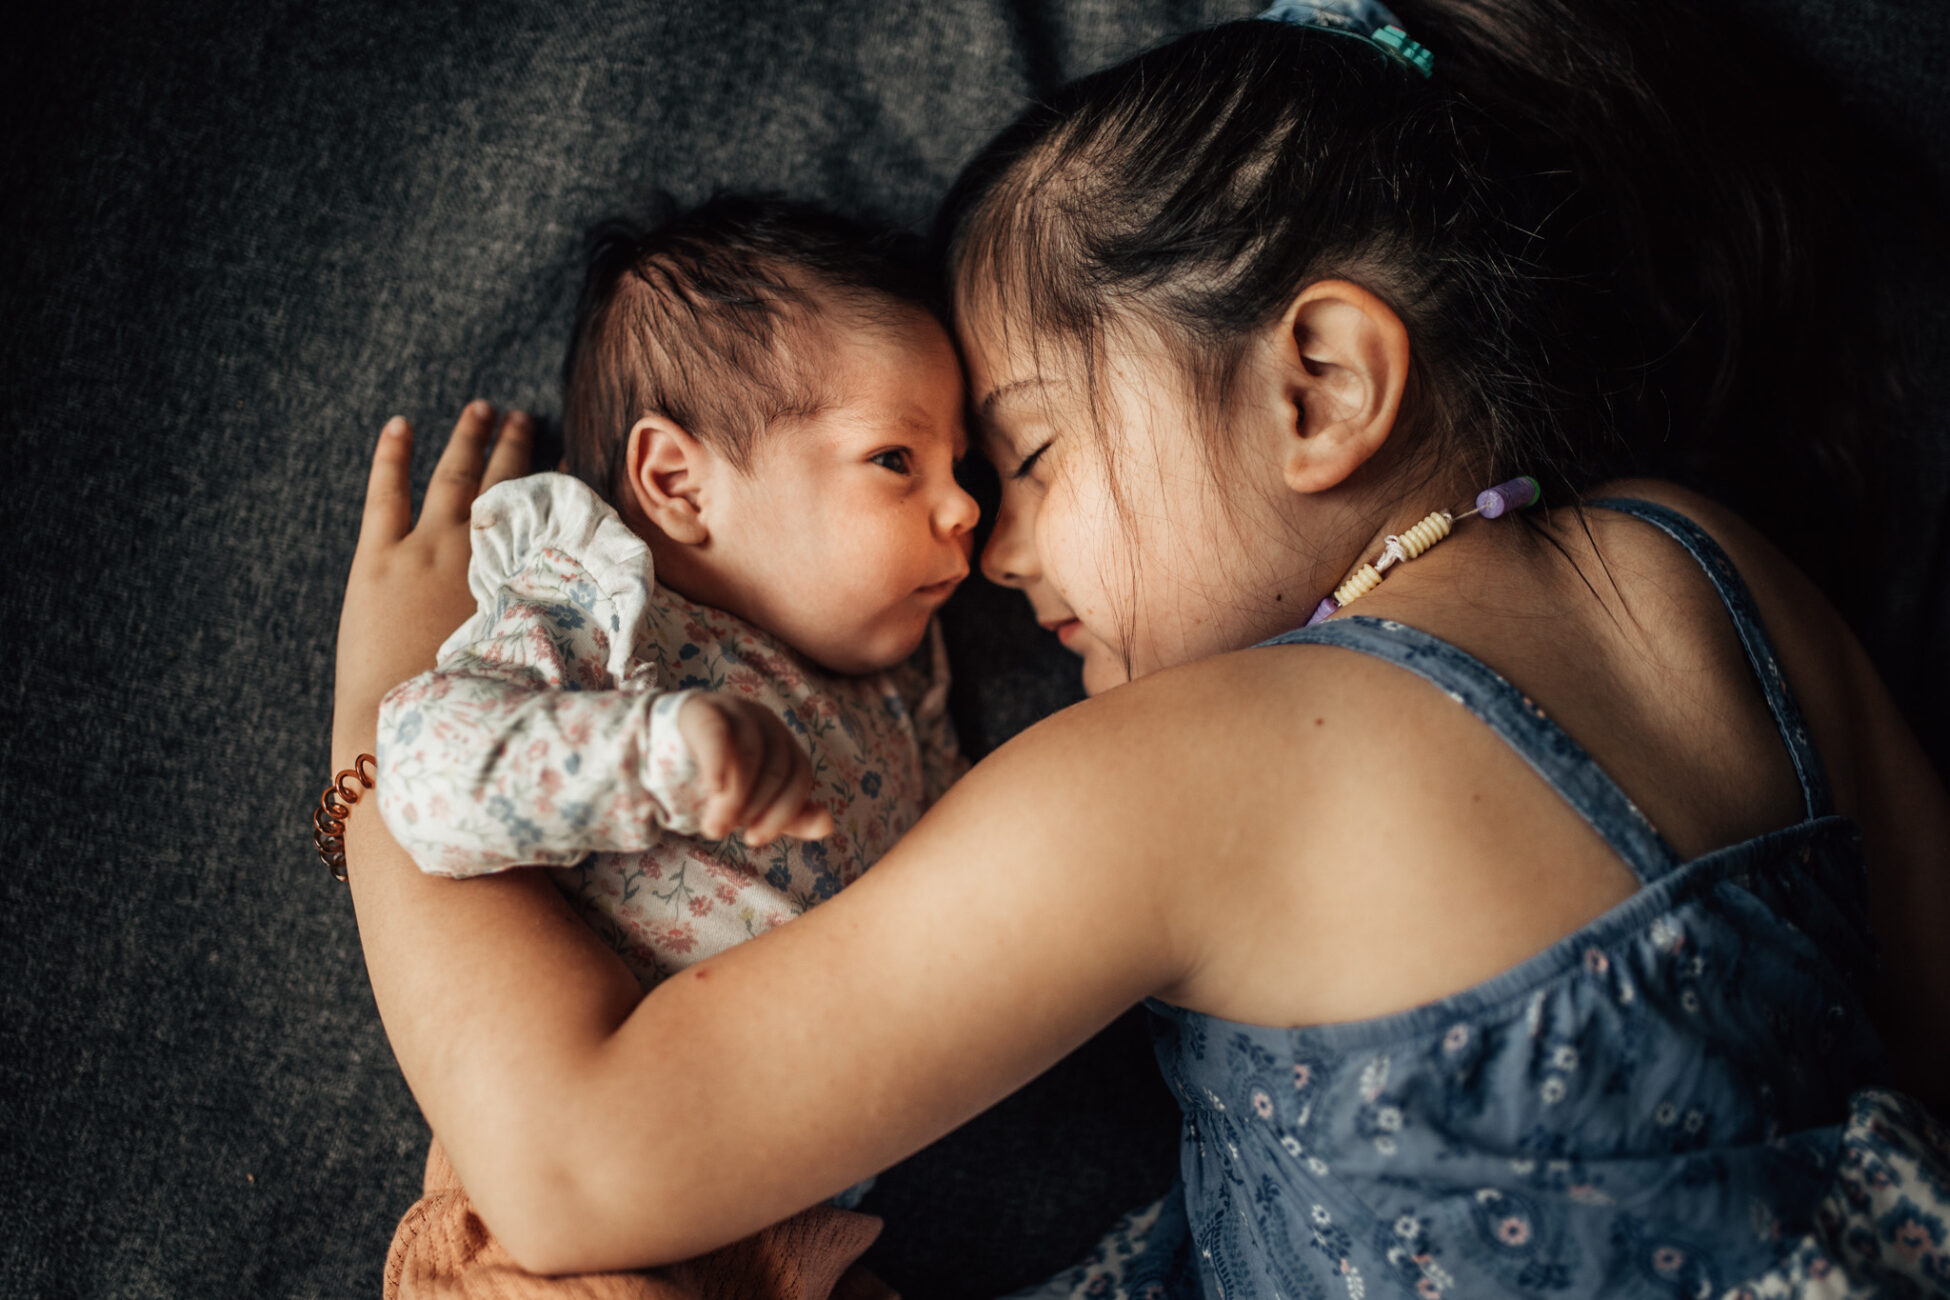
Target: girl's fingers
[(511, 450), (389, 494), (457, 478)]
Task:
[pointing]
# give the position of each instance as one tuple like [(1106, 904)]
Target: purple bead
[(1517, 494), (1326, 607)]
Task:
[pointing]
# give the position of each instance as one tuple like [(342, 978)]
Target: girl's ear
[(667, 469), (1346, 355)]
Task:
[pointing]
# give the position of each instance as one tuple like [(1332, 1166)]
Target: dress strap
[(1512, 715), (1740, 607)]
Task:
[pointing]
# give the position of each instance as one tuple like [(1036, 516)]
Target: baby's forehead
[(909, 332), (866, 319)]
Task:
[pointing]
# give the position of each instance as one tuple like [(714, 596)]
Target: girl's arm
[(407, 592), (594, 1131)]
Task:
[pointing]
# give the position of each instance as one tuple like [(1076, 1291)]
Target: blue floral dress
[(1676, 1100)]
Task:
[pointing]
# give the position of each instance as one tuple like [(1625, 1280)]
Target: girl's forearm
[(596, 1129), (493, 1049), (495, 997)]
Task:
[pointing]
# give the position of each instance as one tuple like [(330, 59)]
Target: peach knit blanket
[(442, 1251)]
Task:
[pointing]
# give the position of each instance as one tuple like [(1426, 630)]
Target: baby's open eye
[(897, 459)]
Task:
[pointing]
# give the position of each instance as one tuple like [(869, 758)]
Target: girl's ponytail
[(1712, 210), (1617, 242)]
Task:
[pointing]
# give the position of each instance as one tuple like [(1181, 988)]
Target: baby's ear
[(1346, 366), (667, 468)]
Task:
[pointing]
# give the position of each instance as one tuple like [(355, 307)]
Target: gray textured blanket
[(236, 238)]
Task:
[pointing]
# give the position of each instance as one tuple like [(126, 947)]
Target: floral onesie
[(547, 736)]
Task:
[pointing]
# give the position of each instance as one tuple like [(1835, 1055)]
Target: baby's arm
[(497, 759)]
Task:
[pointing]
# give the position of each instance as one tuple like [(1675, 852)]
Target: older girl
[(1509, 932)]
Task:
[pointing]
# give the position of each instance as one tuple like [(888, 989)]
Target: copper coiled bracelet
[(328, 819)]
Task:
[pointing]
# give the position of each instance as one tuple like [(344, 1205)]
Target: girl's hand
[(752, 772), (408, 587)]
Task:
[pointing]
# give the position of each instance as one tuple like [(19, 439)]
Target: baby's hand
[(752, 773)]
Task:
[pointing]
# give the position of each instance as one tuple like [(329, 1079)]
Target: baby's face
[(849, 531)]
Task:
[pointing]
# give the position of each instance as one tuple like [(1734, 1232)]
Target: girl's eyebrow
[(997, 394)]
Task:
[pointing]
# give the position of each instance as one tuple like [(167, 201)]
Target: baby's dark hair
[(711, 317), (1616, 246)]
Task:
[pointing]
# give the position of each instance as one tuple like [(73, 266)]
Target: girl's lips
[(1067, 630)]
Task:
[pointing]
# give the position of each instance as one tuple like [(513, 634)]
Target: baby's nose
[(959, 512)]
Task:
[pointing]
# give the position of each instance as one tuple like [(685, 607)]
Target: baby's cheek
[(875, 545)]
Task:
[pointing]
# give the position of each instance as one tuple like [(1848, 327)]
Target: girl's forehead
[(984, 338), (1012, 373), (1005, 345), (1011, 396)]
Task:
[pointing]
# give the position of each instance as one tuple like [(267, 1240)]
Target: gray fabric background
[(236, 238)]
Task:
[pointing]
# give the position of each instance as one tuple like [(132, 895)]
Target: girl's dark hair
[(1616, 246), (713, 317)]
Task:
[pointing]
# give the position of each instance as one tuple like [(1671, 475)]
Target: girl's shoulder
[(1353, 805), (1826, 669), (1880, 776)]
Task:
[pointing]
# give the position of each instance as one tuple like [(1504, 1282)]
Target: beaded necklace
[(1399, 548)]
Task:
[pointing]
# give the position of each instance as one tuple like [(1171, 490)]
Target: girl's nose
[(1009, 560)]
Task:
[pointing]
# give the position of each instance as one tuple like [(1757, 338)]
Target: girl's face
[(1154, 564)]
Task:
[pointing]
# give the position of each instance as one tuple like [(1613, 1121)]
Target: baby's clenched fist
[(752, 774)]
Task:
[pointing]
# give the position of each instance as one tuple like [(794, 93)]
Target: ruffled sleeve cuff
[(513, 520)]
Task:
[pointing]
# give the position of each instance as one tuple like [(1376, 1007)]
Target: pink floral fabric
[(547, 736)]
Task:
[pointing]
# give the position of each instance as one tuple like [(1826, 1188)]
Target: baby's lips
[(946, 585)]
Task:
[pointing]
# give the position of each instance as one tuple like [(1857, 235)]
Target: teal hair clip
[(1367, 20), (1397, 44)]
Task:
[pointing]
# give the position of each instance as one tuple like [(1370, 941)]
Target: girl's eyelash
[(1029, 461), (906, 459)]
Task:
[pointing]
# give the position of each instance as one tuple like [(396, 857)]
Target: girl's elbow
[(541, 1225), (552, 1220), (548, 1243), (546, 1250), (534, 1250)]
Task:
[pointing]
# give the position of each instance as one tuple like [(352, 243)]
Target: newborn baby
[(726, 608)]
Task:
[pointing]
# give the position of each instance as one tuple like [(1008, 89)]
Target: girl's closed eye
[(897, 459), (1028, 464)]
